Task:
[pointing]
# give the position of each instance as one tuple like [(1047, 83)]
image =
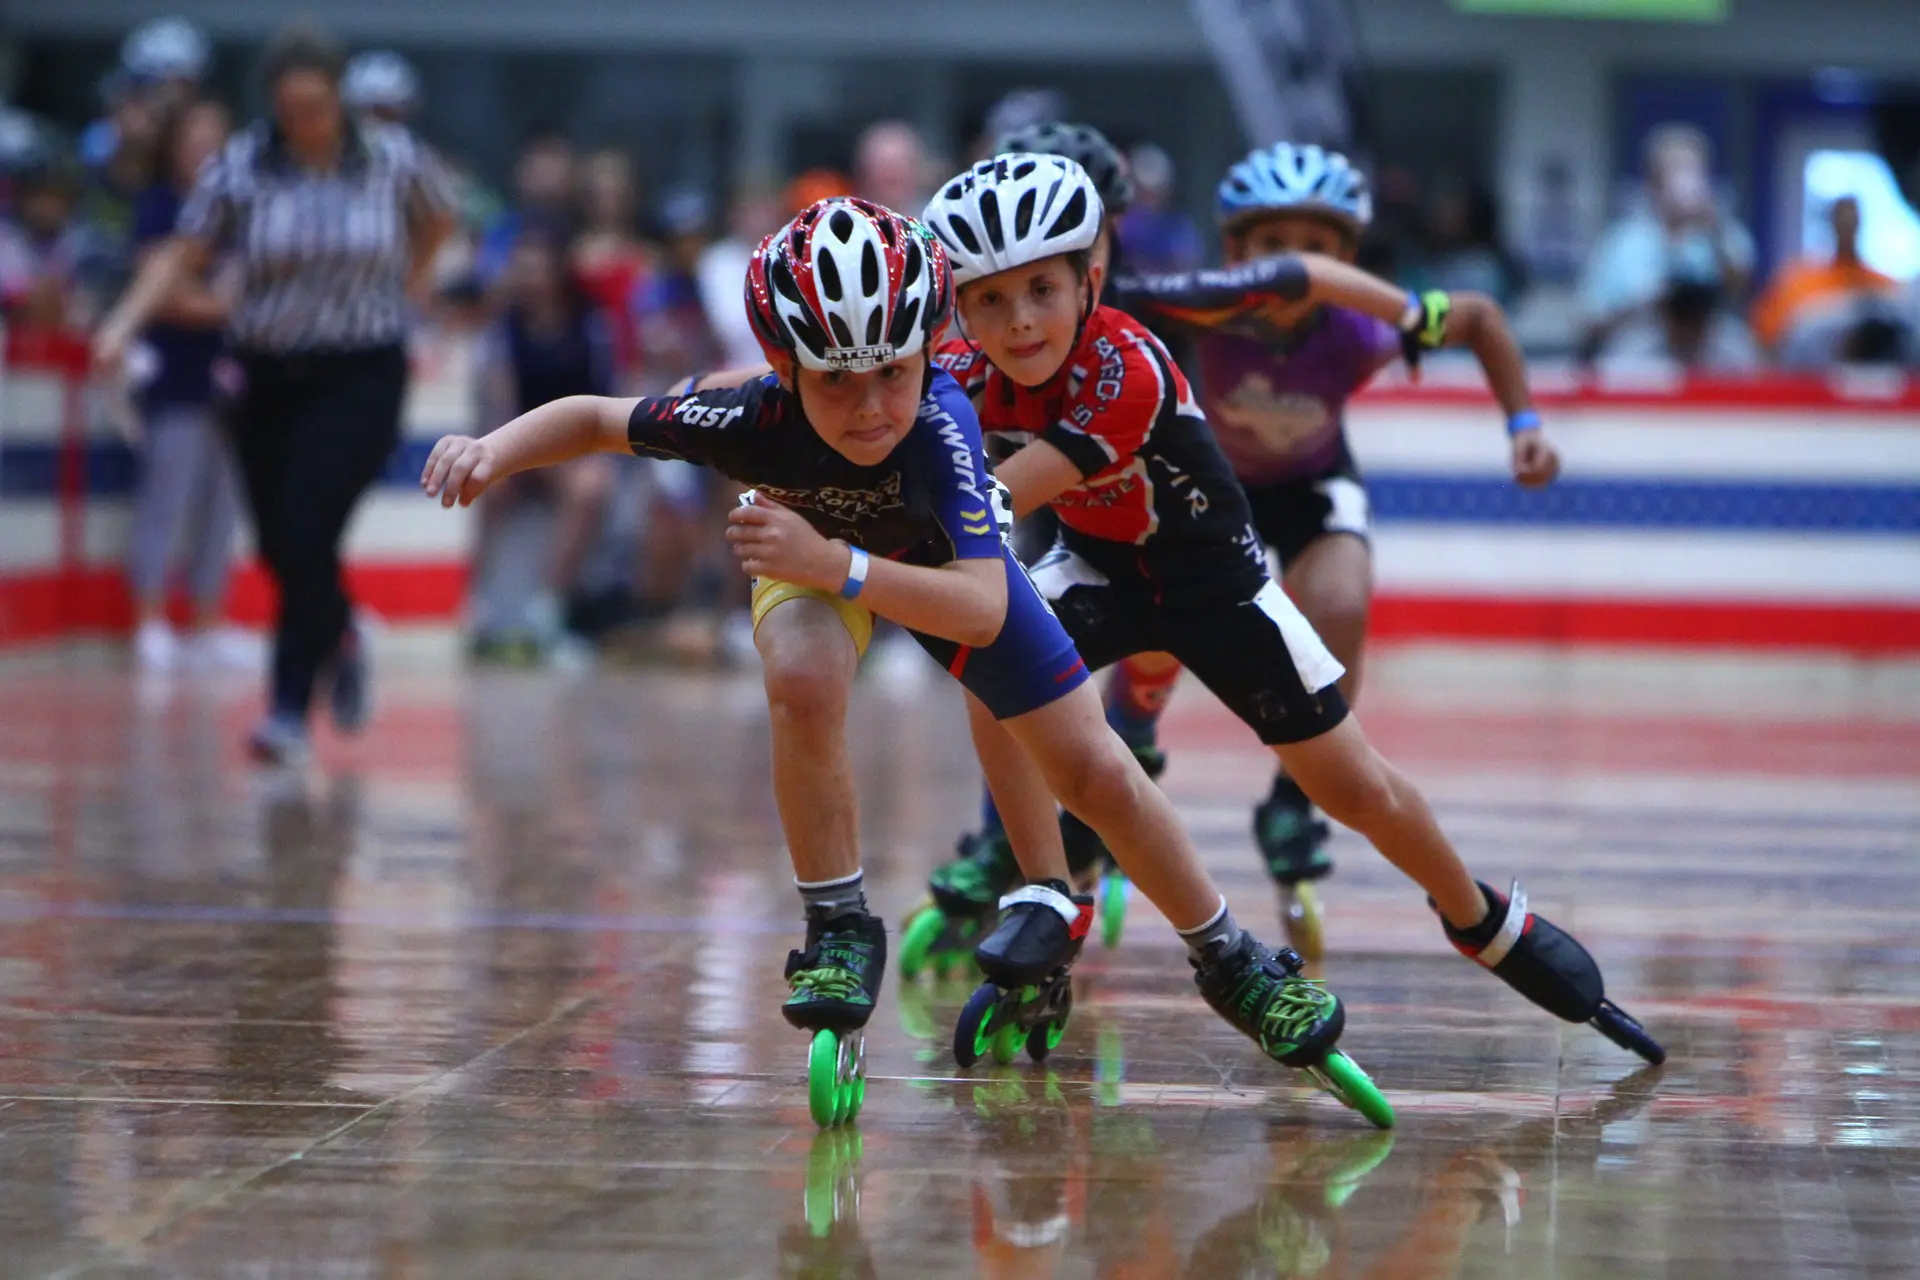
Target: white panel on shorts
[(1317, 667), (1348, 500), (1060, 570)]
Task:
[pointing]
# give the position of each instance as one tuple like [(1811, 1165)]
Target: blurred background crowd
[(609, 204)]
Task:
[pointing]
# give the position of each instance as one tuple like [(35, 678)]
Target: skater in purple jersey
[(1276, 364)]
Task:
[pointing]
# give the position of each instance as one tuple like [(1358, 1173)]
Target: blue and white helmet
[(1285, 178), (165, 49)]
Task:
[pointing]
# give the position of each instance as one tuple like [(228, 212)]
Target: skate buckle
[(1052, 899), (1510, 929)]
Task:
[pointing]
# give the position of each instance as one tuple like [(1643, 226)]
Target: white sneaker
[(226, 649), (155, 647), (280, 740)]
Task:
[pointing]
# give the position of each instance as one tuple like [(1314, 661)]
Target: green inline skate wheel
[(1342, 1077), (1006, 1044), (823, 1079), (1113, 908), (917, 939)]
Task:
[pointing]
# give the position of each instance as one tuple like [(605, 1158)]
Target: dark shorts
[(1293, 515), (1258, 655), (1030, 664)]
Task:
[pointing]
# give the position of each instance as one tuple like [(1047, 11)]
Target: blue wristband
[(856, 575), (1525, 420)]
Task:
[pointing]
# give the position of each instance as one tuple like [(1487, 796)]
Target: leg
[(210, 551), (340, 434), (809, 662), (160, 514), (1331, 582), (1342, 773), (1084, 764), (586, 486)]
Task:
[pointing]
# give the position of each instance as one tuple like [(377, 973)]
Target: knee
[(805, 693), (1362, 797), (1099, 780)]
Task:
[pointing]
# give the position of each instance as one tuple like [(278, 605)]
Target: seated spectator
[(189, 499), (1690, 328), (1824, 311), (1674, 249), (756, 213), (890, 167), (42, 246), (609, 257), (543, 192), (1154, 235), (551, 341)]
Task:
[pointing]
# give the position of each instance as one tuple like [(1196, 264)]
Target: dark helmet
[(1087, 147)]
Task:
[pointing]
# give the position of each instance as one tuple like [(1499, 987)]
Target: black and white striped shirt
[(325, 253)]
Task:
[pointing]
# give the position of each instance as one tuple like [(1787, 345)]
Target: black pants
[(312, 432)]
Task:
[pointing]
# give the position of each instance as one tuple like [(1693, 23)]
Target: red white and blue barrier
[(1757, 514)]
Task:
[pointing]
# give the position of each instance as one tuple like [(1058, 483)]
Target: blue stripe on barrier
[(33, 470)]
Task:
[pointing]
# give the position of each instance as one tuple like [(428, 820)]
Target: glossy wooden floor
[(493, 994)]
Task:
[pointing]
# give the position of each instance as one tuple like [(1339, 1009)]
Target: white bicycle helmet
[(848, 285), (1012, 210), (165, 49), (380, 79), (1285, 178)]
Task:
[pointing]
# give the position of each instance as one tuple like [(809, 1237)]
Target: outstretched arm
[(461, 468)]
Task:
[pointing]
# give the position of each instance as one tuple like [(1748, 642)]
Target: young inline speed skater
[(871, 497), (1277, 368), (1157, 550)]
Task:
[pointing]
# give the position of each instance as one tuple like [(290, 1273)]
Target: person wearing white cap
[(383, 85)]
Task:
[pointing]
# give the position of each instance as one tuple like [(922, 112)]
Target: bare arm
[(964, 600), (460, 467), (178, 258), (1477, 323), (1036, 476)]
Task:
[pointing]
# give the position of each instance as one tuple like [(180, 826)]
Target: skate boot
[(1294, 1020), (941, 933), (1548, 966), (1028, 994), (1092, 863), (1293, 841), (835, 981)]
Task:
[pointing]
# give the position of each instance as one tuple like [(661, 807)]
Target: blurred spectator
[(1674, 253), (813, 186), (609, 256), (110, 187), (1392, 245), (755, 214), (42, 247), (1463, 249), (1822, 311), (551, 341), (1021, 109), (1553, 239), (188, 503), (890, 167), (1154, 235), (677, 339), (543, 191), (161, 65), (381, 85)]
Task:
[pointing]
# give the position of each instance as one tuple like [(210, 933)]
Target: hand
[(773, 542), (110, 348), (1427, 330), (459, 469), (1535, 461)]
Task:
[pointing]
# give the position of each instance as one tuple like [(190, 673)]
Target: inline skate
[(835, 980), (1028, 995)]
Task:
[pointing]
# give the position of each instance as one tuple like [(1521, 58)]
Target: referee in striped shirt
[(334, 223)]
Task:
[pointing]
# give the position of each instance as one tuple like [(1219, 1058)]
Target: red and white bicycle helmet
[(848, 284)]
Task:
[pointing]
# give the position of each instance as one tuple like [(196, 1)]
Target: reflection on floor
[(492, 993)]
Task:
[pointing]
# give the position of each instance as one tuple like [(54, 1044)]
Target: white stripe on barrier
[(1686, 564), (1683, 445)]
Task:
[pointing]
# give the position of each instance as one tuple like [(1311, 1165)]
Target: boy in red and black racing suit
[(1157, 550)]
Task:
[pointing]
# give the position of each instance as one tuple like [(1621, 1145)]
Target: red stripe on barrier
[(1867, 629), (48, 605)]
